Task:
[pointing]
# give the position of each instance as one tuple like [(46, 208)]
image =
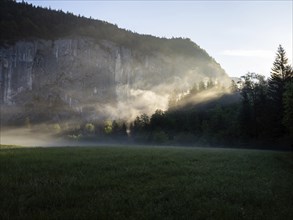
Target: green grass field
[(145, 183)]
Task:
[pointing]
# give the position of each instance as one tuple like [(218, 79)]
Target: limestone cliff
[(83, 73), (89, 69)]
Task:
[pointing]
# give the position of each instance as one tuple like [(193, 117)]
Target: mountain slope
[(54, 66)]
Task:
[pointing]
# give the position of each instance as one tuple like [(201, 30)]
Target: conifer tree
[(288, 109), (280, 75)]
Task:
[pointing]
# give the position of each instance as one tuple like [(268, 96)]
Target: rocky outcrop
[(95, 78)]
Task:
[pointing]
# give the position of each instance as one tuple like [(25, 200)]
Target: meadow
[(145, 183)]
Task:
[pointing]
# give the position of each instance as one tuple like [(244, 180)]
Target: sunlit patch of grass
[(6, 146), (145, 183)]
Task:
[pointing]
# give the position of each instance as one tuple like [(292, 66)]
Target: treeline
[(259, 112), (23, 21), (113, 131)]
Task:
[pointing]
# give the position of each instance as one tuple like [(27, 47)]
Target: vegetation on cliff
[(23, 21)]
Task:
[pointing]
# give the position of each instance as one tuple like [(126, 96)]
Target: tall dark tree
[(119, 128), (288, 109), (210, 84), (157, 120), (254, 101), (280, 75), (234, 87)]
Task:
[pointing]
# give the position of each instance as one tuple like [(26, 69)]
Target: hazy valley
[(82, 79)]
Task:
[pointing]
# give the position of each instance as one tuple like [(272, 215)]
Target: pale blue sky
[(241, 35)]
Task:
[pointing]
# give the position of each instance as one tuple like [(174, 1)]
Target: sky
[(243, 36)]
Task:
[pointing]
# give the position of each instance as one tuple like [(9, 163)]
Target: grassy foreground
[(145, 183)]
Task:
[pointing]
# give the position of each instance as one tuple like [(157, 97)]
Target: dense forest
[(258, 112)]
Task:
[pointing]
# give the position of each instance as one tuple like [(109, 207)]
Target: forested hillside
[(258, 112), (56, 66), (23, 21)]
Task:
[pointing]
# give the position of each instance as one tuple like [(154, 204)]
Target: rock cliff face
[(65, 66), (93, 78)]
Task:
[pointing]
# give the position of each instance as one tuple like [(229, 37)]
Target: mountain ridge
[(95, 70), (20, 21)]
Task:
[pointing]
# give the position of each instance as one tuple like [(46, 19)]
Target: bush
[(89, 128), (108, 127), (56, 128)]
